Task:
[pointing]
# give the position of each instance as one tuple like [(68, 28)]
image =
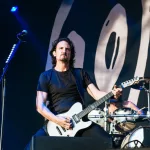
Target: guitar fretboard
[(94, 105)]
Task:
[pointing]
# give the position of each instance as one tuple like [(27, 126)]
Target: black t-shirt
[(61, 88)]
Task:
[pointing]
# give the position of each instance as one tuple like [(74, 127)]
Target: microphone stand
[(3, 81)]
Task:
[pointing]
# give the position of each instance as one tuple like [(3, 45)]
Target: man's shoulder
[(78, 69), (47, 72)]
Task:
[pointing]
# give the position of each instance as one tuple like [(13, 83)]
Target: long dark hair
[(54, 44)]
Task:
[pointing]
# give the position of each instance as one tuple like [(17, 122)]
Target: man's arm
[(45, 112), (42, 108), (94, 92), (97, 94)]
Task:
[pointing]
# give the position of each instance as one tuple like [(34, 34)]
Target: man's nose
[(64, 50)]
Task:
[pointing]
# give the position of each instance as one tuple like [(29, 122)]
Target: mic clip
[(21, 35)]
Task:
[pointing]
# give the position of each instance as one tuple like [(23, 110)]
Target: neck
[(61, 67)]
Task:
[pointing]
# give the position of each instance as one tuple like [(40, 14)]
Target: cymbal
[(146, 79), (143, 83)]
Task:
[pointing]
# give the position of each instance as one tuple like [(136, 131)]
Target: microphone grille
[(24, 31)]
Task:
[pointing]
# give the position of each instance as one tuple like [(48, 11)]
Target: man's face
[(62, 52)]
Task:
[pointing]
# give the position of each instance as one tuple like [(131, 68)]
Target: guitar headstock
[(130, 82)]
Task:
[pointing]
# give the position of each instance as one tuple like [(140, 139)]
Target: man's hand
[(117, 92), (64, 122)]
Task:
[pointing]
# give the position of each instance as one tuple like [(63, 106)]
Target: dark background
[(21, 120)]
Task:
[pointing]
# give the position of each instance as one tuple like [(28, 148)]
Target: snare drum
[(124, 124), (137, 138), (97, 116)]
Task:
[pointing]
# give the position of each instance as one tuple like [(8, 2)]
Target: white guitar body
[(56, 130)]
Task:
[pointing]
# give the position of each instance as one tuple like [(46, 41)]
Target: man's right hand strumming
[(64, 122)]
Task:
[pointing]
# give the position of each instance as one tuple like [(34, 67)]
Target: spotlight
[(14, 9)]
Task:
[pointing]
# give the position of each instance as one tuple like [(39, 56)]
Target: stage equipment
[(138, 138), (3, 77), (70, 143)]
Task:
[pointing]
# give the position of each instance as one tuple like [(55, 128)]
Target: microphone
[(22, 33)]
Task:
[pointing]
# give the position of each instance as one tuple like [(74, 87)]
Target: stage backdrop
[(111, 38)]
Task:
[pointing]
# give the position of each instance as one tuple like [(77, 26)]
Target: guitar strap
[(77, 73)]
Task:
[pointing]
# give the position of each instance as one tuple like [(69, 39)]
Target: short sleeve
[(42, 83), (86, 79)]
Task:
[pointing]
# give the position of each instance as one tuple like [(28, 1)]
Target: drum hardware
[(112, 129), (143, 118), (117, 136), (97, 116), (96, 113), (136, 143), (134, 116), (148, 98), (138, 138), (124, 119), (144, 84), (100, 117), (105, 115)]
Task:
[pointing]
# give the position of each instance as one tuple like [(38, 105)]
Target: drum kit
[(121, 124)]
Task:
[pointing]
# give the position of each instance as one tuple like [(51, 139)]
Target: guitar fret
[(94, 105)]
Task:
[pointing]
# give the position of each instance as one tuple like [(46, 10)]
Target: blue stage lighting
[(14, 9)]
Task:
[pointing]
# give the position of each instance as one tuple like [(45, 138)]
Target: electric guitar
[(76, 114)]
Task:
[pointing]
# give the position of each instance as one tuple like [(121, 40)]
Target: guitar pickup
[(75, 118)]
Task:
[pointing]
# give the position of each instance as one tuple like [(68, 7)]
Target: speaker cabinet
[(69, 143)]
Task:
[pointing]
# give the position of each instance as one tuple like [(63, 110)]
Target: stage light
[(14, 9)]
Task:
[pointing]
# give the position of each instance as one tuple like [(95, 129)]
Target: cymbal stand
[(106, 114), (148, 98)]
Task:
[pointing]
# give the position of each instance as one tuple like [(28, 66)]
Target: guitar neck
[(125, 84), (94, 105)]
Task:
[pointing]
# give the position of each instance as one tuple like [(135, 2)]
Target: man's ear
[(54, 53)]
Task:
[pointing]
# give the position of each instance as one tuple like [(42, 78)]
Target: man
[(63, 86)]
